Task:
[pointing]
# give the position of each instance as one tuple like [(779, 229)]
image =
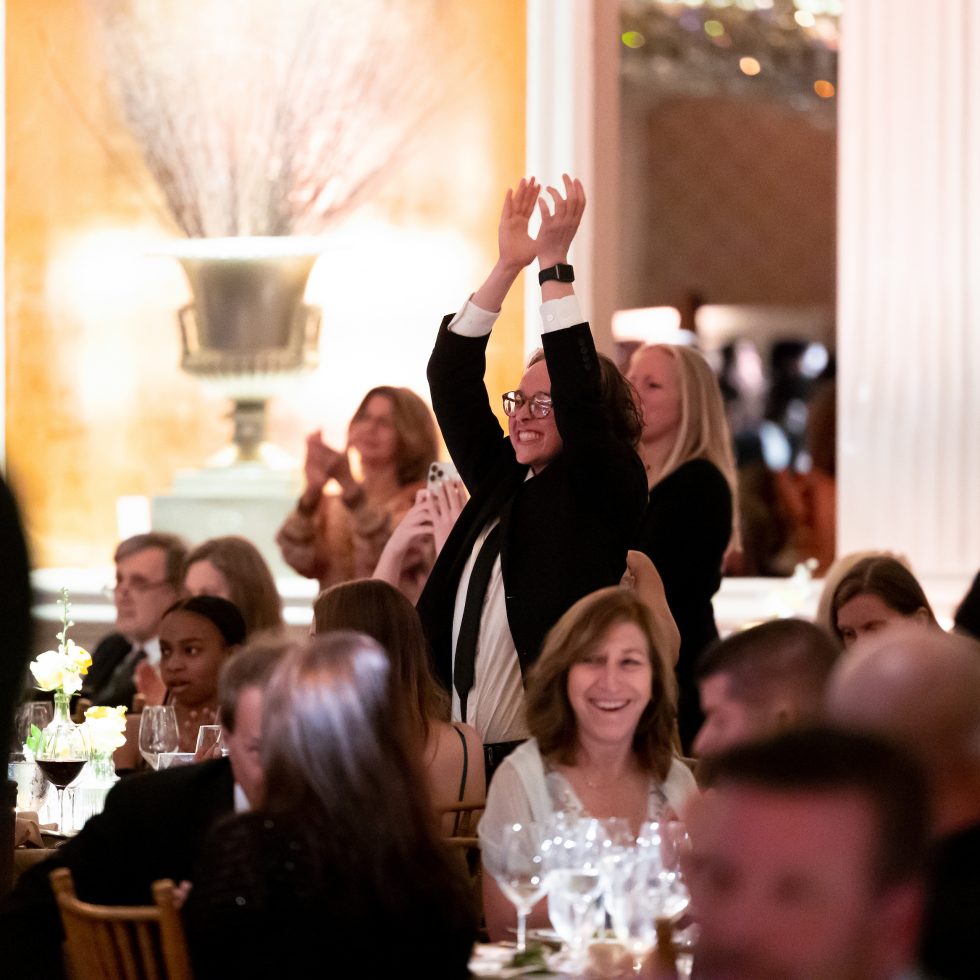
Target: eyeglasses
[(539, 403), (136, 585)]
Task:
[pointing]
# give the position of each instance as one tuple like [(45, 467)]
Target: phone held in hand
[(439, 473)]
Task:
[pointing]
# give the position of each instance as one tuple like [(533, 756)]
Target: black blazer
[(106, 657), (564, 533), (153, 826)]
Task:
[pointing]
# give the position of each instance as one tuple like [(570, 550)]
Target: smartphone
[(439, 473)]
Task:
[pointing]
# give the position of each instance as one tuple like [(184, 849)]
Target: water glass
[(520, 873), (158, 732), (33, 713), (574, 857)]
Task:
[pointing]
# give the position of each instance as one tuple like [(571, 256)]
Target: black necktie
[(469, 628)]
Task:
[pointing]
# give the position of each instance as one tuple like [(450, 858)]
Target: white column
[(573, 127), (909, 283)]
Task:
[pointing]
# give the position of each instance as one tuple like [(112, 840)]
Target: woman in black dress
[(340, 867), (686, 448)]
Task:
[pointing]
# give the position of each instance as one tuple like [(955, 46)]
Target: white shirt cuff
[(471, 321), (559, 314)]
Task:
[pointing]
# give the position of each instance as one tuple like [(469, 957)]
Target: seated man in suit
[(152, 827), (765, 679), (149, 570)]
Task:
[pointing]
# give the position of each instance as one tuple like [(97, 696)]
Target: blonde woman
[(690, 521)]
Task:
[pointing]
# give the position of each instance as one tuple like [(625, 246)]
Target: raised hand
[(415, 526), (323, 462), (517, 248), (149, 683), (558, 226), (446, 503)]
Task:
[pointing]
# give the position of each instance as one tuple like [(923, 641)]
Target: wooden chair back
[(460, 820), (118, 942), (459, 823)]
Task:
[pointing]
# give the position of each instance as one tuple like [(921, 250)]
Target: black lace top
[(260, 908)]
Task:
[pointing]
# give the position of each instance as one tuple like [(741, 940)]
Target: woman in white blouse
[(601, 709)]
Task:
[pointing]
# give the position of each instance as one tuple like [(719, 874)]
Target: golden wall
[(96, 404)]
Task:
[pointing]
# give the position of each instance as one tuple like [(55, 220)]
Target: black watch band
[(560, 273)]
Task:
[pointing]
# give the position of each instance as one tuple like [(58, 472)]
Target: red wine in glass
[(61, 772)]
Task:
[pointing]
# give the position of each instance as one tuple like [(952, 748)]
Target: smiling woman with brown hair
[(601, 704), (335, 538)]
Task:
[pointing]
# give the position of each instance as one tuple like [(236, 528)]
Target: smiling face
[(192, 651), (536, 442), (372, 432), (610, 689), (866, 614), (655, 376)]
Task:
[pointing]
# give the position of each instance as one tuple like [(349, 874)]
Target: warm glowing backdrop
[(97, 406)]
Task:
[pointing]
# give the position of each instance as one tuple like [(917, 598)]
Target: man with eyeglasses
[(553, 504), (149, 569)]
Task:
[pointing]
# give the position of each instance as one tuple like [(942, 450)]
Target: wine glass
[(158, 732), (575, 904), (62, 751), (633, 903), (520, 872), (33, 713)]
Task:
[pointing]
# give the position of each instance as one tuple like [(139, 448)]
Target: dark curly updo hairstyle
[(617, 400)]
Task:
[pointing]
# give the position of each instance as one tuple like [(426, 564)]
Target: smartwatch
[(560, 273)]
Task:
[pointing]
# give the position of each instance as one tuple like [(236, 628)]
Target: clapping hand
[(323, 462), (517, 248), (558, 226)]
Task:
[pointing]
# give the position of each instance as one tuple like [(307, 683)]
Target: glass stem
[(521, 930)]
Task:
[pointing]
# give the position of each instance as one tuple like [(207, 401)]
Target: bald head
[(920, 688)]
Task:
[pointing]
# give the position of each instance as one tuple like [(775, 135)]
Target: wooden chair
[(116, 942), (462, 820)]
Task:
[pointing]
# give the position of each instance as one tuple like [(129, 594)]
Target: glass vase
[(62, 752)]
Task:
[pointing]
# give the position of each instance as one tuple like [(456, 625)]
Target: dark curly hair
[(617, 400)]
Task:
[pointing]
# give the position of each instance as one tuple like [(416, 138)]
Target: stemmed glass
[(62, 752), (638, 899), (520, 873), (158, 732), (33, 713), (575, 885)]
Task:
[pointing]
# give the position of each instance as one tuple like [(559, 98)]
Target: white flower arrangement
[(105, 728), (62, 670)]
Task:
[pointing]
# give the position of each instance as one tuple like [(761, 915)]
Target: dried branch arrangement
[(271, 117)]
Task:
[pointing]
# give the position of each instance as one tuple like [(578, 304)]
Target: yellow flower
[(105, 727), (78, 656)]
